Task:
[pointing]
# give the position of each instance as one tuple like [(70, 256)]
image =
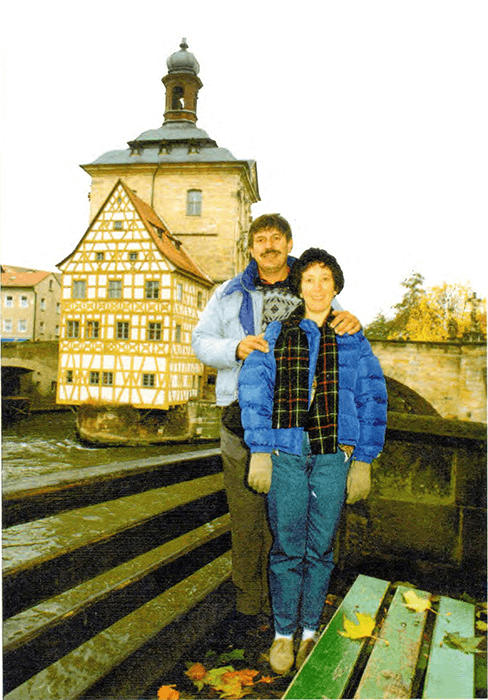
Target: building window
[(69, 376), (133, 255), (199, 300), (73, 329), (24, 302), (107, 378), (9, 302), (118, 226), (41, 327), (194, 203), (148, 380), (154, 331), (23, 326), (43, 305), (92, 329), (122, 330), (115, 289), (152, 289), (58, 308), (7, 325), (50, 285), (79, 289), (94, 377), (179, 292), (178, 333), (99, 256), (56, 330)]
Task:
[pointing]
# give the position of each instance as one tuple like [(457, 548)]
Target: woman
[(307, 405)]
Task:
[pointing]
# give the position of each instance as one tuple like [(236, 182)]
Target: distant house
[(131, 297), (30, 304)]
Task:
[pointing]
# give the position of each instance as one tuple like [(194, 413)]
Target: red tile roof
[(22, 276)]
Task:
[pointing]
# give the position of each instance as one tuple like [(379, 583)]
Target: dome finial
[(183, 44), (183, 61)]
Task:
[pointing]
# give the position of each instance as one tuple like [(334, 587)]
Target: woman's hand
[(260, 470), (358, 482)]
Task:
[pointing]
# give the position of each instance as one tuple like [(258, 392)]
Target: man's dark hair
[(266, 221), (311, 257)]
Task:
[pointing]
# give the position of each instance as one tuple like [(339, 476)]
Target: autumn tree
[(440, 313)]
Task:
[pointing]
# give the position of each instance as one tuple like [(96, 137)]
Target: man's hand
[(260, 471), (345, 322), (358, 482), (250, 343)]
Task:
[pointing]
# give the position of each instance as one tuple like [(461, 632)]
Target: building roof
[(22, 276), (168, 245)]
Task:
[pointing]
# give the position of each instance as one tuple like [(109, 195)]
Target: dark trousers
[(251, 538)]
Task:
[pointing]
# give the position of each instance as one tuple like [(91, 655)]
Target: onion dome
[(183, 61)]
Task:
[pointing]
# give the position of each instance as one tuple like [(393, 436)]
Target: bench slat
[(390, 670), (30, 623), (327, 671), (450, 672), (30, 544), (70, 677)]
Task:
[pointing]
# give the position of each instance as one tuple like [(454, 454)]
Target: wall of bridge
[(450, 376)]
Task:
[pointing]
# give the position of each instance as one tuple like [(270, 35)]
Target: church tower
[(200, 190)]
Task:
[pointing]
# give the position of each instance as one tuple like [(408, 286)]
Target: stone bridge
[(447, 379), (451, 377)]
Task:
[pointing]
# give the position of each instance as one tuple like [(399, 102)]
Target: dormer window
[(194, 203)]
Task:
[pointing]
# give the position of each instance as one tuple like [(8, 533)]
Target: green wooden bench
[(413, 663)]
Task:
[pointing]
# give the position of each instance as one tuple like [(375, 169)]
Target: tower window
[(194, 203), (99, 256), (118, 226), (179, 292), (94, 377), (177, 97), (133, 255), (178, 333), (69, 376)]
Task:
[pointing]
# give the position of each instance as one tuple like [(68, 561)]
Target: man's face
[(270, 250)]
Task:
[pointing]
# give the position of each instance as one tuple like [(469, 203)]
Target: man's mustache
[(271, 250)]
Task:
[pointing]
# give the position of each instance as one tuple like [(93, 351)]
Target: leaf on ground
[(226, 656), (168, 692), (363, 629), (213, 676), (196, 673), (231, 684), (467, 644), (481, 626), (267, 679), (414, 602)]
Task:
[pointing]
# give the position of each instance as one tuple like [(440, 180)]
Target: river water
[(46, 443)]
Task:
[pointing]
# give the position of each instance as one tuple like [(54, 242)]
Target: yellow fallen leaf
[(167, 692), (363, 629), (414, 602)]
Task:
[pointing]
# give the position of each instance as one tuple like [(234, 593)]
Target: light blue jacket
[(362, 396)]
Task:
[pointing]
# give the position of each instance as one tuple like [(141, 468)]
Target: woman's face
[(317, 288)]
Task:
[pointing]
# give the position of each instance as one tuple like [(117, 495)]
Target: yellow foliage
[(363, 629), (414, 602)]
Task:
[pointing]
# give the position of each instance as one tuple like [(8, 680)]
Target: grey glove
[(358, 482), (260, 470)]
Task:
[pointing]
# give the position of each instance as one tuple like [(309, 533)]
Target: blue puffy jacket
[(362, 396)]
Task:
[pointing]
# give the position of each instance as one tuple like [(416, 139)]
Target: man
[(231, 327)]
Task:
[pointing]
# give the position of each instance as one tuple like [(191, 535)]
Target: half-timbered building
[(130, 300)]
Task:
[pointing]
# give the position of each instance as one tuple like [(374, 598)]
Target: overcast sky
[(367, 119)]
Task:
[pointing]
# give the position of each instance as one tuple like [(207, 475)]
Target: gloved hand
[(260, 469), (358, 482)]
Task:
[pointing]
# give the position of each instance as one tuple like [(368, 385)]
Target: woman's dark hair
[(311, 257)]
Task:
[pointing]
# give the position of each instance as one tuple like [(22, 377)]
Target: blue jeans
[(304, 505)]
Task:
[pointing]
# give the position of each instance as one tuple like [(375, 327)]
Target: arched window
[(177, 97), (194, 203)]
